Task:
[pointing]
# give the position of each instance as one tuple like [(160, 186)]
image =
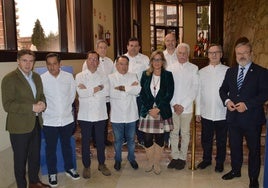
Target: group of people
[(147, 96)]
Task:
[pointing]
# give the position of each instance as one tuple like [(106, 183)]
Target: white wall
[(6, 154)]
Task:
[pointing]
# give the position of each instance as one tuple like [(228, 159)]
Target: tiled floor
[(129, 178)]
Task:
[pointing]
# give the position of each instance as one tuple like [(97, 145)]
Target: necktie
[(240, 78)]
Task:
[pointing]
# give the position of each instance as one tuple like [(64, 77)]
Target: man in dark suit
[(24, 101), (244, 91)]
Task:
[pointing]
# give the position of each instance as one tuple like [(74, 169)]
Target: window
[(165, 18), (37, 31), (2, 39), (202, 29), (64, 32)]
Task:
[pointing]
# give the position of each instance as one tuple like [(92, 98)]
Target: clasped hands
[(123, 88), (154, 112), (240, 107), (40, 106), (178, 109)]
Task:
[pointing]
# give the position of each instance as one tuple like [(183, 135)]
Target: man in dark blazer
[(244, 91), (24, 101)]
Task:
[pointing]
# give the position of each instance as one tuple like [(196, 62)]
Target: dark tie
[(240, 78)]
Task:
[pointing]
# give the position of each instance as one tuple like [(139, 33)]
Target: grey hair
[(100, 41), (185, 45)]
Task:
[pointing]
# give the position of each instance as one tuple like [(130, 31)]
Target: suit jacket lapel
[(248, 75)]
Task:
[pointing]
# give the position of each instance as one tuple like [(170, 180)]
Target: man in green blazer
[(24, 101)]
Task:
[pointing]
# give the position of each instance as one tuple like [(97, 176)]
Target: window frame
[(83, 14), (166, 28)]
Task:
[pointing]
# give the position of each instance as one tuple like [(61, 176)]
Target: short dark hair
[(53, 55), (133, 39), (93, 52), (215, 44), (24, 52), (122, 56)]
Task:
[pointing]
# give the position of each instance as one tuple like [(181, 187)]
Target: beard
[(243, 61)]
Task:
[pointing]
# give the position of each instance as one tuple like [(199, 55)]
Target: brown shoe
[(86, 173), (39, 185), (104, 170)]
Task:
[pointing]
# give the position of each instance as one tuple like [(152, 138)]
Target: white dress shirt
[(30, 80), (208, 102), (138, 64), (92, 106), (170, 58), (123, 103), (60, 94), (185, 85)]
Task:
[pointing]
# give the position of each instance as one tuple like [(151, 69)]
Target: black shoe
[(117, 165), (134, 164), (172, 163), (230, 175), (52, 180), (219, 167), (180, 164), (203, 164), (253, 183)]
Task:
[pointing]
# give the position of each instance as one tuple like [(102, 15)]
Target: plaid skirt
[(158, 125)]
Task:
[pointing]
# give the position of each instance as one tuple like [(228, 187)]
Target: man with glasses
[(105, 67), (244, 91), (209, 109), (92, 89)]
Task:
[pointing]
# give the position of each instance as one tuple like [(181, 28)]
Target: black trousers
[(86, 130), (252, 136), (26, 148), (207, 137), (108, 106)]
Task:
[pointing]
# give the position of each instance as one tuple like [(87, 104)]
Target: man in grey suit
[(244, 91), (24, 101)]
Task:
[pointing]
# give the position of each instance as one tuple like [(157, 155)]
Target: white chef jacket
[(170, 58), (138, 64), (208, 102), (92, 106), (185, 85), (123, 103), (60, 94)]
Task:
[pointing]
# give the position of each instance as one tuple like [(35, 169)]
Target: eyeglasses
[(214, 53), (93, 59), (242, 53), (157, 60)]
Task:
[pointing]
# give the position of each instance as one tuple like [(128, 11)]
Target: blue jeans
[(140, 134), (52, 134), (120, 131)]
